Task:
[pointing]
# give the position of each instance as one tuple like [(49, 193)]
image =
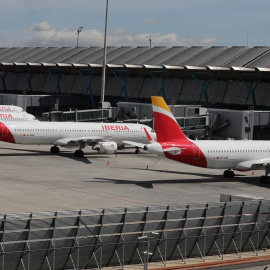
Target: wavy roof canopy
[(158, 56)]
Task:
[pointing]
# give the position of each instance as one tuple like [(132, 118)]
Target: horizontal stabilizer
[(174, 150)]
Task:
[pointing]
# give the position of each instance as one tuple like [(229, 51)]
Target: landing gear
[(264, 179), (54, 150), (79, 153), (137, 151), (228, 174)]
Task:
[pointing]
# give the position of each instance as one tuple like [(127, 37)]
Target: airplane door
[(196, 152)]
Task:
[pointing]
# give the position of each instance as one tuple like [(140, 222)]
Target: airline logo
[(170, 136), (114, 127), (5, 108), (5, 115), (167, 128)]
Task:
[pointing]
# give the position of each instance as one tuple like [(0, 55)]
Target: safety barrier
[(122, 236)]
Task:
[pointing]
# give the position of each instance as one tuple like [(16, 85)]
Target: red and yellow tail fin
[(167, 129)]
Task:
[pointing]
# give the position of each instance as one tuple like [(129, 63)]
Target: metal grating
[(98, 238)]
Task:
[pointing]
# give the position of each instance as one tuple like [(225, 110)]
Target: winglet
[(167, 129), (148, 135)]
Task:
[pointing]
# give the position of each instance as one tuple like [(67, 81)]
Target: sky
[(54, 23)]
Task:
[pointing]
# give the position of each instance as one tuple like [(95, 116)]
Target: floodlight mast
[(78, 33), (104, 58), (150, 40)]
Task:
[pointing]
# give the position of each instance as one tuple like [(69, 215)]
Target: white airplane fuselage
[(16, 116), (215, 154), (231, 155), (234, 154), (35, 132), (220, 154), (10, 108)]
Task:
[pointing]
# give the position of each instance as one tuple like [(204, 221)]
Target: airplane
[(10, 108), (16, 116), (103, 137), (231, 155)]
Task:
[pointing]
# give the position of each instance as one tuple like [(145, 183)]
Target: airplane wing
[(71, 141), (253, 164), (140, 145)]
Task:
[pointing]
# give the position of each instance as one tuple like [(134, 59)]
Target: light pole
[(78, 33), (149, 39), (104, 58)]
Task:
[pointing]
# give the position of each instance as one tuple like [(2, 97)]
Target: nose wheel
[(228, 174)]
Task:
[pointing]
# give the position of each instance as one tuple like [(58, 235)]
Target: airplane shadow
[(30, 152), (207, 178), (119, 152)]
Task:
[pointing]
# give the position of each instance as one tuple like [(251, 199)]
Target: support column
[(57, 80), (3, 80), (123, 83), (88, 83), (250, 88), (28, 78), (161, 85), (204, 87)]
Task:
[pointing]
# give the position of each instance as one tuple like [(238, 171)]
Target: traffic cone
[(147, 166), (108, 162), (116, 155)]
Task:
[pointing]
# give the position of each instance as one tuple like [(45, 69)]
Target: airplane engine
[(106, 147)]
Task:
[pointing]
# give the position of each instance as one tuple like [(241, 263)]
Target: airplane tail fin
[(167, 129)]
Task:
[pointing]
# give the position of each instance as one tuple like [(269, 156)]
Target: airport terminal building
[(232, 77)]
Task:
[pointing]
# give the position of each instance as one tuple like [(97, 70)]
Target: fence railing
[(138, 235)]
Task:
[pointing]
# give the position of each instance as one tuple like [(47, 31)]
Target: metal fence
[(123, 236)]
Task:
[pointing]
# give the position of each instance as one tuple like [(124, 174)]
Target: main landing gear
[(54, 150), (228, 174), (264, 179), (79, 152), (137, 151)]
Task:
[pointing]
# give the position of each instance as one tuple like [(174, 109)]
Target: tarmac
[(34, 180)]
